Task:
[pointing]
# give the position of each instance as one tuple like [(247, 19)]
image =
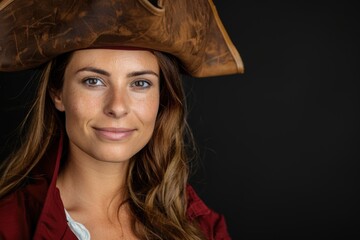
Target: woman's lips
[(114, 134)]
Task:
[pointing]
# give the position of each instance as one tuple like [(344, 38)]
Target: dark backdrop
[(278, 145)]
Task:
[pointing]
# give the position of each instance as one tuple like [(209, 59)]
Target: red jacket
[(36, 211)]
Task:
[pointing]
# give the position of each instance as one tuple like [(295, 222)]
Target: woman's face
[(111, 100)]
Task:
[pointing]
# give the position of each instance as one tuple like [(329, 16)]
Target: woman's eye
[(141, 84), (92, 82)]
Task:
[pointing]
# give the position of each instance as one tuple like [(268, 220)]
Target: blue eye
[(141, 84), (93, 82)]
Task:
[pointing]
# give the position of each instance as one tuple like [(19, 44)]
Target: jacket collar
[(52, 221)]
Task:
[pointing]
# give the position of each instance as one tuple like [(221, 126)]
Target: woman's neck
[(94, 193), (87, 183)]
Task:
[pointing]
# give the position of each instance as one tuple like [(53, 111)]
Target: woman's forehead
[(114, 59)]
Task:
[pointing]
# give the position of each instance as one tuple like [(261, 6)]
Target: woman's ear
[(56, 97)]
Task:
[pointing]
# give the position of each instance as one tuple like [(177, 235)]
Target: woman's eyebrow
[(105, 73), (144, 72), (95, 70)]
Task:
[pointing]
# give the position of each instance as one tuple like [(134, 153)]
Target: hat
[(34, 32)]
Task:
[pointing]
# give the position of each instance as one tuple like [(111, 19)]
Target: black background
[(278, 144)]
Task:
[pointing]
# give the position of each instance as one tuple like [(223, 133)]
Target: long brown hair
[(157, 175)]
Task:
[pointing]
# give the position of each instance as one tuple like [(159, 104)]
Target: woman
[(104, 154)]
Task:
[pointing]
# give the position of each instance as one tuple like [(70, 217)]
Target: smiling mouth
[(114, 134)]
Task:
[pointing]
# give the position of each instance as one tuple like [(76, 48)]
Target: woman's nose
[(116, 103)]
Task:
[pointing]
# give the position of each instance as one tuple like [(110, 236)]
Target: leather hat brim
[(34, 32)]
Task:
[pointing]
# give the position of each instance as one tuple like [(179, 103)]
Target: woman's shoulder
[(20, 209), (211, 223)]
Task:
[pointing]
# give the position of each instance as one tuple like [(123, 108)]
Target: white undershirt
[(78, 229)]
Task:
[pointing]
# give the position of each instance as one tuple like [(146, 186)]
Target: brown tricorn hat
[(33, 32)]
